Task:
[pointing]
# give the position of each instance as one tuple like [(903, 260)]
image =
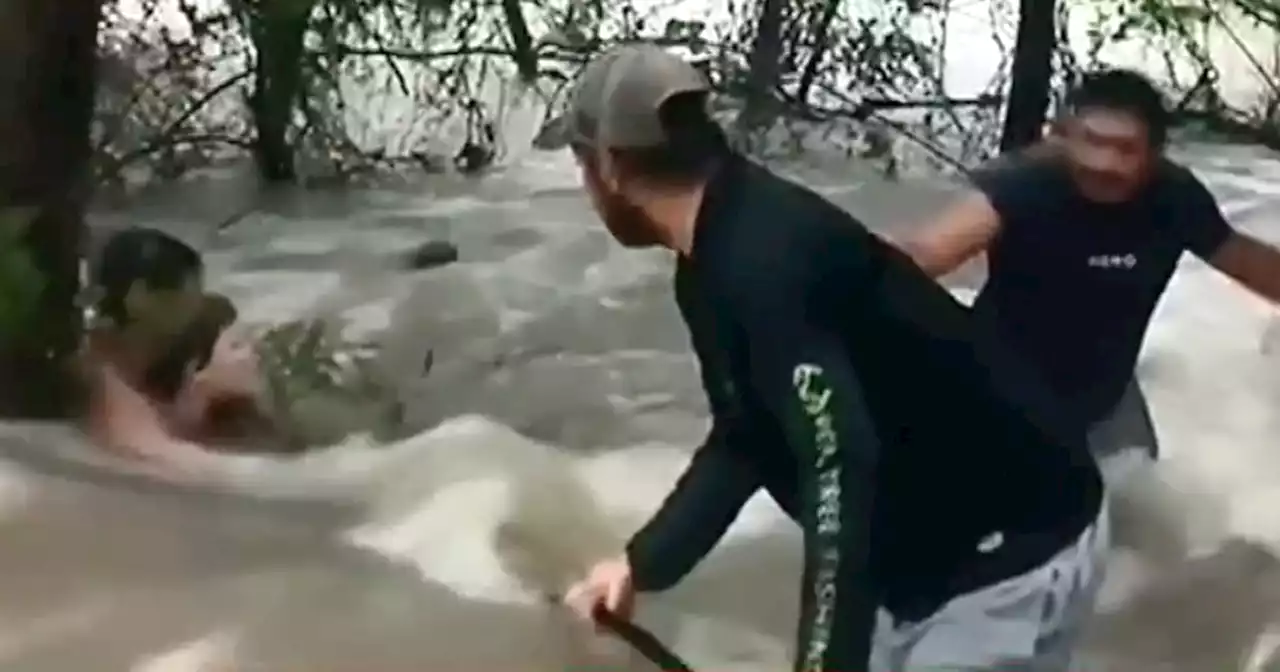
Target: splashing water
[(564, 396)]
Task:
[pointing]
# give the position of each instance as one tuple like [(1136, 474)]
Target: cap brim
[(556, 133)]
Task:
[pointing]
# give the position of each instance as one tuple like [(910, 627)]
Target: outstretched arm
[(960, 233), (1207, 234), (696, 514), (1250, 262)]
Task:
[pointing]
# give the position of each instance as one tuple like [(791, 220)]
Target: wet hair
[(193, 348), (157, 259), (695, 145), (1125, 91)]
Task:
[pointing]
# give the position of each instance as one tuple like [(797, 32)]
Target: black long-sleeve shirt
[(871, 407)]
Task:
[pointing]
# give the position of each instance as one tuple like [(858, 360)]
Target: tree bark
[(1032, 71), (278, 32), (764, 67), (522, 48), (821, 42), (48, 54)]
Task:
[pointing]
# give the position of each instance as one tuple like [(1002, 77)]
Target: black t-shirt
[(860, 394), (1073, 284)]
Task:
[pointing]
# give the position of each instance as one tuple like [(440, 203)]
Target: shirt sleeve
[(801, 374), (713, 489), (1200, 220), (693, 518)]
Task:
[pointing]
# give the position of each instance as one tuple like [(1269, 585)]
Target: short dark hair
[(694, 147), (1125, 91), (155, 258)]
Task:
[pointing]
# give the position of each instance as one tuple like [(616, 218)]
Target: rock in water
[(431, 254)]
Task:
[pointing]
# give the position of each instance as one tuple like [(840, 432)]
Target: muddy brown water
[(545, 328)]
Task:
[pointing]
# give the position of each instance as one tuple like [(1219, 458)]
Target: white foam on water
[(1213, 394), (442, 518), (436, 499), (214, 652), (450, 540), (631, 483), (301, 244), (289, 293)]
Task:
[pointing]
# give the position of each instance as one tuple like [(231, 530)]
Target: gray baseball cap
[(616, 100)]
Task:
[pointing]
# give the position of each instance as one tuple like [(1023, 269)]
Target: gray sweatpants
[(1029, 623), (1032, 622)]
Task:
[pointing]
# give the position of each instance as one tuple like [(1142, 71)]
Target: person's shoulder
[(789, 240), (791, 214), (809, 216), (1173, 177), (1178, 187)]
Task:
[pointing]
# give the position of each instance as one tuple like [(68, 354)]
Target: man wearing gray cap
[(948, 508)]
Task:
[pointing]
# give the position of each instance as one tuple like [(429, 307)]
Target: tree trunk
[(522, 49), (764, 66), (1024, 114), (279, 33), (821, 32), (48, 53)]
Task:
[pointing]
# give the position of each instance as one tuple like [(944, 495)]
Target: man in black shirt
[(940, 492), (1082, 236)]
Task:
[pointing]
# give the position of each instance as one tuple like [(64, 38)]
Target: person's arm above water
[(123, 420), (692, 519), (1249, 261), (1000, 190), (803, 376), (696, 514), (963, 231), (705, 501), (719, 480)]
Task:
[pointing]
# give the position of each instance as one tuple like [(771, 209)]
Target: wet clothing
[(923, 462), (1072, 284)]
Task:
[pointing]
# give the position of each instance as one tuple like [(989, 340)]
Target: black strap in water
[(642, 641)]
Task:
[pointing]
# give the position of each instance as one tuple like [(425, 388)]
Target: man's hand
[(606, 586)]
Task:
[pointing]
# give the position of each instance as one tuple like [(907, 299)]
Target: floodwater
[(564, 396)]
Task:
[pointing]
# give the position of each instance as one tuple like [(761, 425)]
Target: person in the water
[(1082, 236), (160, 358), (952, 517)]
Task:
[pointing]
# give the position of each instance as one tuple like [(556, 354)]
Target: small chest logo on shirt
[(1113, 261)]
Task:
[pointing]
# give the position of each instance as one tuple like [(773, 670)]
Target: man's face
[(628, 223), (1109, 152)]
